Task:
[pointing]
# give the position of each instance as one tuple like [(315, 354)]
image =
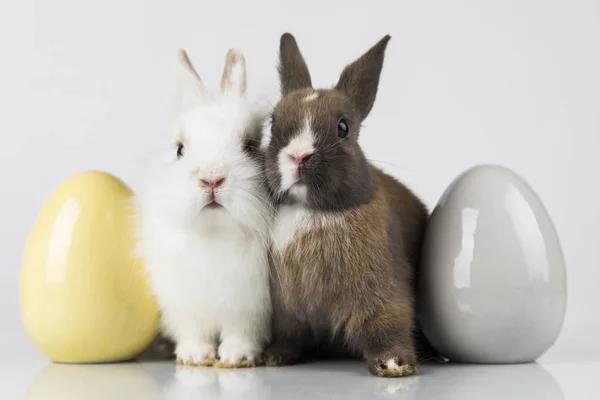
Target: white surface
[(90, 84), (326, 380)]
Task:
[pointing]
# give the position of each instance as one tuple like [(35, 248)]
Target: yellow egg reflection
[(83, 296), (104, 381)]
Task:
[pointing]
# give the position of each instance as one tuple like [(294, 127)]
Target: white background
[(89, 85)]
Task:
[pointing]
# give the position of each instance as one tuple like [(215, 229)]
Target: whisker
[(391, 164)]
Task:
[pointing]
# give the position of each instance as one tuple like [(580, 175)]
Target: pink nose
[(212, 183), (299, 159)]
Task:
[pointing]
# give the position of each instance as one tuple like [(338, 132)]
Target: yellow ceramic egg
[(84, 297)]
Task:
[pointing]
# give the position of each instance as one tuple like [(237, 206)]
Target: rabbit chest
[(328, 265)]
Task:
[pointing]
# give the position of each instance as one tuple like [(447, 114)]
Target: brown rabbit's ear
[(234, 74), (360, 79), (191, 89), (293, 71)]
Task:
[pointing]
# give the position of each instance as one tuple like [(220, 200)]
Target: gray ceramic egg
[(493, 281)]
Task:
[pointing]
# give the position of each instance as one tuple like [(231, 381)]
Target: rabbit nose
[(299, 159), (212, 183)]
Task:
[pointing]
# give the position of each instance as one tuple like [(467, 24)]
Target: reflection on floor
[(323, 380)]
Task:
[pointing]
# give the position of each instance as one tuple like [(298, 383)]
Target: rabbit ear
[(293, 71), (359, 80), (234, 74), (191, 89)]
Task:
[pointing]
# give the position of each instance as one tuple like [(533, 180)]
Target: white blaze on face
[(299, 192), (302, 143), (311, 97)]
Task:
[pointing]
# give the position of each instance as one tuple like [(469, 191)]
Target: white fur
[(238, 76), (299, 192), (292, 220), (288, 221), (302, 144), (208, 267), (188, 383), (311, 97)]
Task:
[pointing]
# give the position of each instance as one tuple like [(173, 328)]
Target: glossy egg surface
[(493, 280), (84, 297)]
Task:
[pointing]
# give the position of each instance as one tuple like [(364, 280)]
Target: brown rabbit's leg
[(386, 338), (290, 339)]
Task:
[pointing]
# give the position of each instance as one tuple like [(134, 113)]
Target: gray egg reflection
[(489, 382), (93, 381), (216, 384)]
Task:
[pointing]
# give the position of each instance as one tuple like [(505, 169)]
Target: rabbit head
[(314, 157), (212, 168)]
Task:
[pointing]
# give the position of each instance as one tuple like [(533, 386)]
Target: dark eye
[(180, 150), (342, 129)]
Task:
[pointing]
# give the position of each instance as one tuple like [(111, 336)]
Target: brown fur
[(293, 69), (346, 282), (345, 278), (347, 176), (359, 78)]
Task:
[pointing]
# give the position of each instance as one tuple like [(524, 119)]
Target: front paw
[(238, 353), (279, 355), (397, 362), (392, 366), (195, 353)]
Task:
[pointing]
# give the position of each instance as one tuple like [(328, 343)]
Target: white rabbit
[(203, 222)]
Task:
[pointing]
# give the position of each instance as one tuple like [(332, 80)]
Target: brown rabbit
[(347, 237)]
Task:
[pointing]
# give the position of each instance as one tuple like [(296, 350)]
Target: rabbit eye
[(342, 129), (180, 150)]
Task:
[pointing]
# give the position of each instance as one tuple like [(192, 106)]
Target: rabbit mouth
[(213, 205), (300, 177), (300, 181)]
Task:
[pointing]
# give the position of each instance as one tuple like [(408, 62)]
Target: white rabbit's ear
[(192, 91), (234, 74)]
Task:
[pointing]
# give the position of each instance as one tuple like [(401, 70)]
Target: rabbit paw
[(195, 353), (236, 353), (391, 367), (277, 355)]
